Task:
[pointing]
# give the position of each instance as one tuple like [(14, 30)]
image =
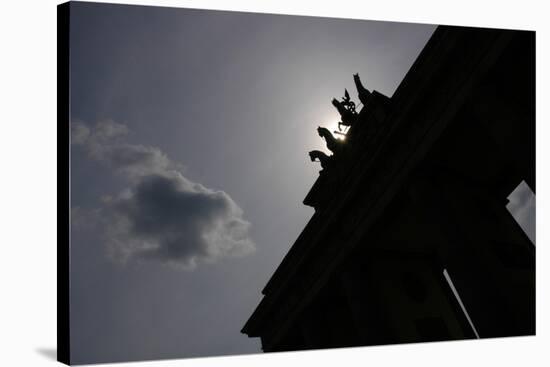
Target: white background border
[(28, 182)]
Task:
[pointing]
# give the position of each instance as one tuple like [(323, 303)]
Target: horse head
[(320, 156), (313, 155), (322, 131)]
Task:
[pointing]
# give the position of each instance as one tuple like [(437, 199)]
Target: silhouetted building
[(411, 240)]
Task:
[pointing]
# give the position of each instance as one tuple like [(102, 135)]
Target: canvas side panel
[(63, 184)]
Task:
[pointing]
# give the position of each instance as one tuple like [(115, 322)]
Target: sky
[(189, 138), (522, 206)]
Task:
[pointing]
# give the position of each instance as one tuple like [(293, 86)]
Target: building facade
[(411, 240)]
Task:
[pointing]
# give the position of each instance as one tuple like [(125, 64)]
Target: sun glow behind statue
[(332, 126)]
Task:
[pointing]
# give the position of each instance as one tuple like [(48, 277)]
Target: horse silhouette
[(321, 157), (333, 144)]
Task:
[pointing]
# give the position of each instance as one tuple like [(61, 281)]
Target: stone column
[(472, 230)]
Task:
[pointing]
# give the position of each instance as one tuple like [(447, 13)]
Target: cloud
[(162, 216), (134, 161), (103, 132), (80, 133)]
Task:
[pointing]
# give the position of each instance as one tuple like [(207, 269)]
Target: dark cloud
[(162, 216), (168, 218)]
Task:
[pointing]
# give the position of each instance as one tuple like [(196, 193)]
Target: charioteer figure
[(346, 108)]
